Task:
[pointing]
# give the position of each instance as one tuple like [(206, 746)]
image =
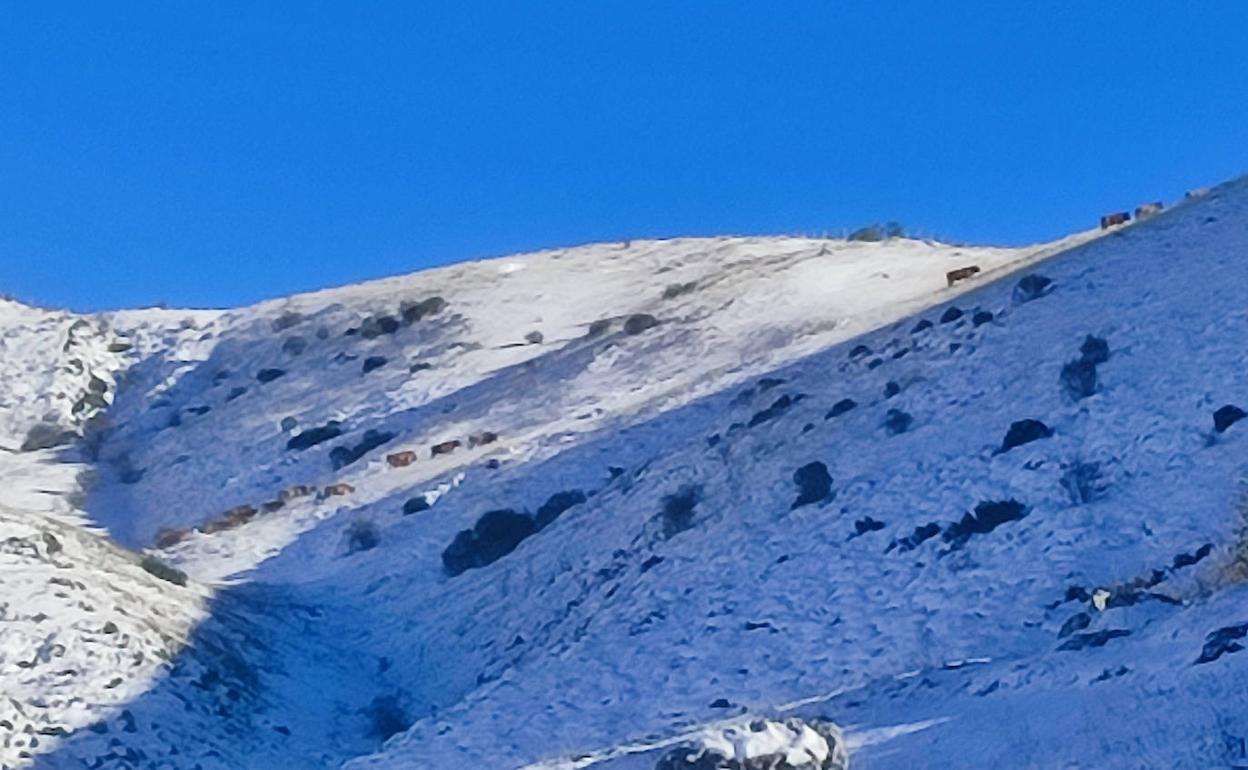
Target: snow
[(616, 632)]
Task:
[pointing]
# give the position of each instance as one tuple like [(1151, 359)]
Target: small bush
[(878, 232), (678, 289), (677, 514), (387, 717), (1079, 379), (362, 535)]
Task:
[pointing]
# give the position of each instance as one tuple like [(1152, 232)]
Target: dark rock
[(534, 338), (897, 421), (362, 535), (288, 424), (1187, 560), (987, 517), (415, 505), (235, 392), (922, 326), (1082, 481), (1031, 287), (1093, 639), (639, 322), (374, 362), (496, 534), (1227, 416), (96, 385), (1094, 350), (419, 366), (814, 484), (873, 363), (1024, 432), (913, 540), (677, 289), (840, 408), (286, 321), (767, 383), (1078, 379), (163, 571), (119, 347), (859, 351), (598, 328), (268, 375), (556, 504), (314, 436), (651, 563), (951, 314), (981, 317), (891, 389)]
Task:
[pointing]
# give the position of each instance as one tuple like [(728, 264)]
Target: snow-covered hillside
[(574, 508)]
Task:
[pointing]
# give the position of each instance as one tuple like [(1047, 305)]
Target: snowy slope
[(684, 586)]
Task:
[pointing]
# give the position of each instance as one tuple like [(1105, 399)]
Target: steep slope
[(739, 474)]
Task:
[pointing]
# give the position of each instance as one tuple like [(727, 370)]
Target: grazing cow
[(166, 537), (961, 274), (401, 459), (482, 438), (298, 490), (1195, 193), (1146, 210), (335, 490), (1117, 218), (445, 448)]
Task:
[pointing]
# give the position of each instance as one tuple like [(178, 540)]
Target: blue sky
[(213, 154)]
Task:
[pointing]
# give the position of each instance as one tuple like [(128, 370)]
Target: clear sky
[(216, 153)]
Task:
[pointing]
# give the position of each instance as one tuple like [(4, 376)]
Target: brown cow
[(482, 438), (401, 459), (1146, 210), (334, 490), (1117, 218), (298, 490), (166, 537), (445, 448), (961, 274)]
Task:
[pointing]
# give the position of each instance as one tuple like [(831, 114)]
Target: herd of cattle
[(241, 514), (1114, 219)]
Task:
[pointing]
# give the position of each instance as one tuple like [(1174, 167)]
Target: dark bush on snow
[(342, 456), (814, 484), (677, 289), (987, 517), (314, 436), (415, 311), (891, 389), (598, 328), (878, 232), (268, 375), (1024, 432), (534, 338), (840, 408), (859, 350), (951, 314), (1082, 481), (981, 317), (46, 435), (1031, 287), (1227, 416), (374, 362), (387, 717), (288, 424), (867, 524), (777, 408), (1222, 642), (1094, 350), (1078, 379), (922, 326), (163, 571), (677, 513), (362, 535), (554, 507), (913, 540), (640, 322), (293, 346), (496, 534), (897, 421)]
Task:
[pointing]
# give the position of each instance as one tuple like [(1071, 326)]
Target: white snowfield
[(746, 478)]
